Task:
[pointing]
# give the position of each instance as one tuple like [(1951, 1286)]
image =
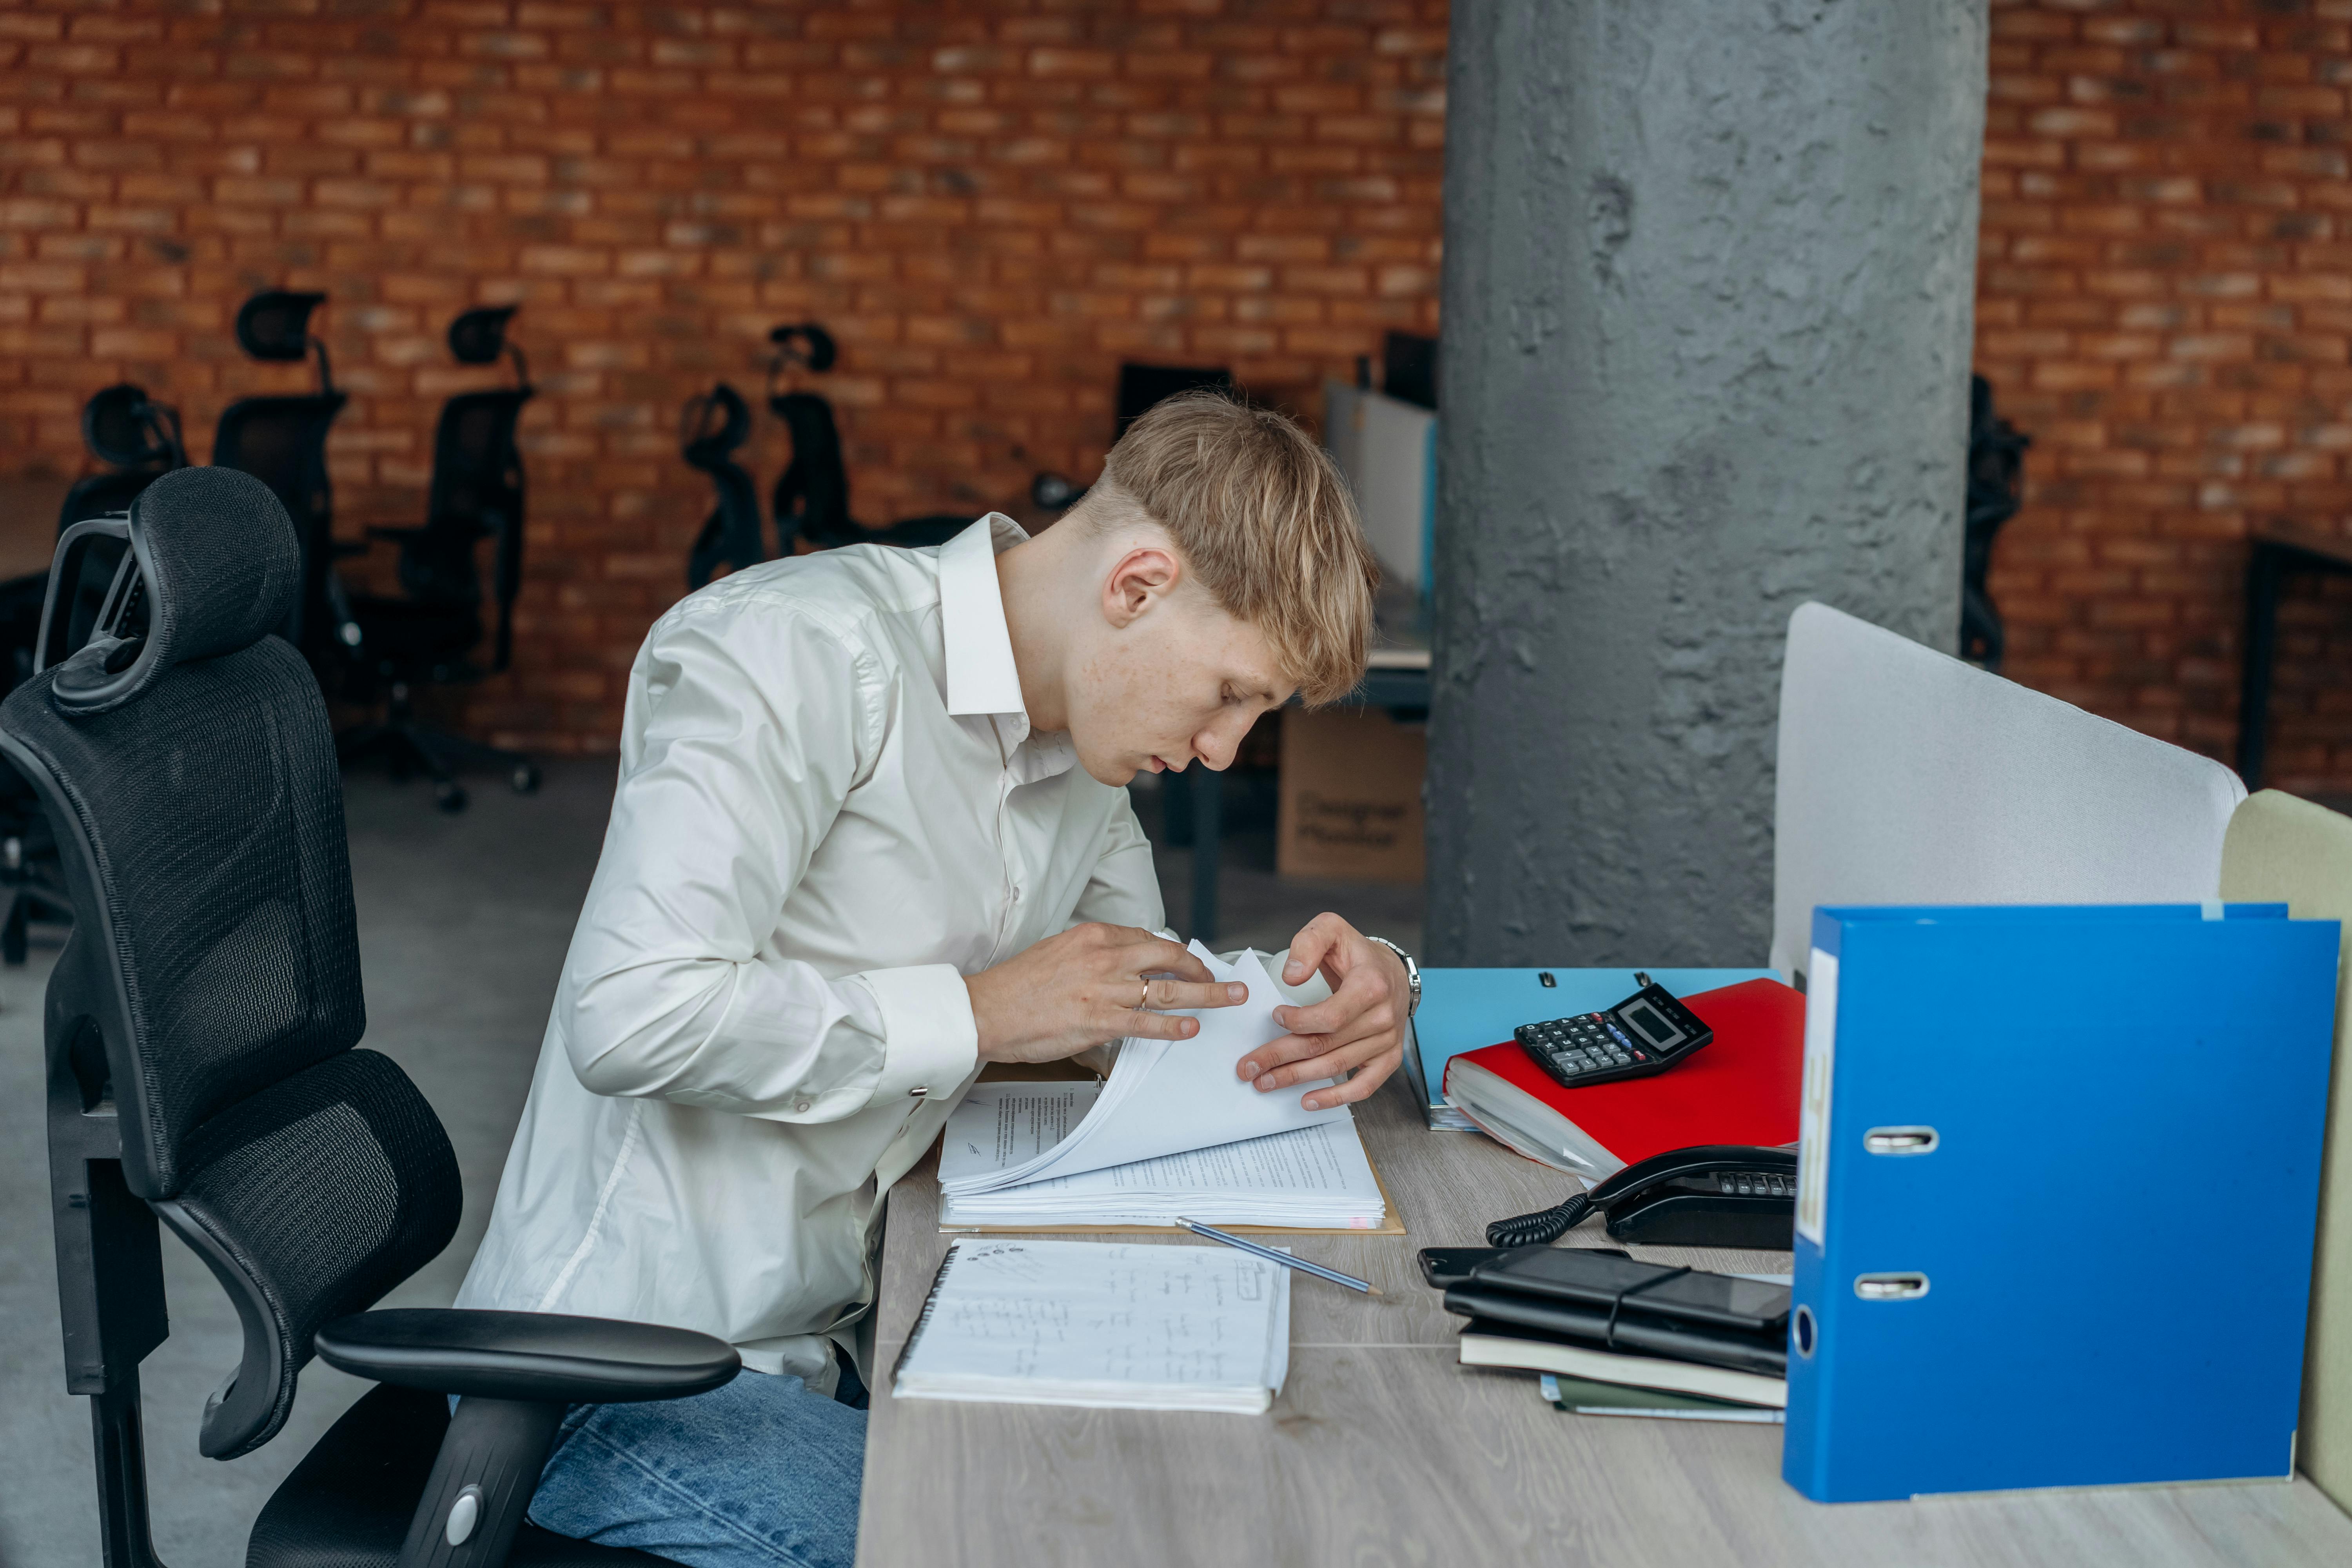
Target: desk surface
[(1383, 1449)]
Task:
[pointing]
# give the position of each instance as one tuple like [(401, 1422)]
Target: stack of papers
[(1165, 1097), (1139, 1327), (1311, 1178), (1173, 1130)]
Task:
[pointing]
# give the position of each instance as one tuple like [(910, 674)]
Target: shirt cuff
[(929, 1040)]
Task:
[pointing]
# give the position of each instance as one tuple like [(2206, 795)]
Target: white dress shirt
[(831, 809)]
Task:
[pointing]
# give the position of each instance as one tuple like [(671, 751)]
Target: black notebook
[(1609, 1302)]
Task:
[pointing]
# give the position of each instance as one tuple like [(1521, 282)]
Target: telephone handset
[(1715, 1195)]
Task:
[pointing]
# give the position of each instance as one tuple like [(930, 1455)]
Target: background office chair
[(812, 497), (201, 1026), (140, 438), (123, 426), (1996, 488), (281, 440), (714, 425), (426, 637)]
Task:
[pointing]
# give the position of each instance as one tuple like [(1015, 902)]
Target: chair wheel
[(526, 778), (450, 797)]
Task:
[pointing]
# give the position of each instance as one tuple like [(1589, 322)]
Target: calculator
[(1647, 1033)]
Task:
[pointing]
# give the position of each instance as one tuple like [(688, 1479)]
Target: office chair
[(715, 424), (281, 440), (201, 1027), (140, 437), (122, 425), (811, 497), (1996, 488), (426, 637)]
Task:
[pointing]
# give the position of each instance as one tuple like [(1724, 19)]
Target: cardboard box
[(1351, 802)]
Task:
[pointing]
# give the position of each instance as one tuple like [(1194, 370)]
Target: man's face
[(1178, 684)]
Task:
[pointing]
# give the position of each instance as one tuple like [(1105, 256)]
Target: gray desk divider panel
[(1909, 777), (2282, 849)]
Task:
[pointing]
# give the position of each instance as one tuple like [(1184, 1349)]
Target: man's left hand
[(1358, 1027)]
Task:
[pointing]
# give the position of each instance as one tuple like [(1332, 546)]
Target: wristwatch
[(1412, 975)]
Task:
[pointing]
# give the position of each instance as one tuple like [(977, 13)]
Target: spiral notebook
[(1108, 1325)]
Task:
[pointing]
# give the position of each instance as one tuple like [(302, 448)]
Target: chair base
[(410, 747)]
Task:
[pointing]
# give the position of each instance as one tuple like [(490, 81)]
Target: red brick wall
[(991, 203), (2165, 303)]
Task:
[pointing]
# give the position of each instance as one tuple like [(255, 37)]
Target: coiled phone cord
[(1543, 1226)]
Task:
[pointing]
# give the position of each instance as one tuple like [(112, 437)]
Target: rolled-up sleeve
[(727, 787)]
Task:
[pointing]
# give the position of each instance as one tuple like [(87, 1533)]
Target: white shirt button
[(801, 1105)]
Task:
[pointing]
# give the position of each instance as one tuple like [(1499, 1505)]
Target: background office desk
[(1382, 1451)]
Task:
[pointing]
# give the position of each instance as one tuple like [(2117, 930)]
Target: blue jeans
[(759, 1474)]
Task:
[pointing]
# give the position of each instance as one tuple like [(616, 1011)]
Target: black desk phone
[(1647, 1033), (1716, 1195)]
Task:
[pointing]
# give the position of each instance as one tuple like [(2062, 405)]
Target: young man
[(870, 833)]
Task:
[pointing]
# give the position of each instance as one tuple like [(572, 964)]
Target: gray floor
[(463, 923)]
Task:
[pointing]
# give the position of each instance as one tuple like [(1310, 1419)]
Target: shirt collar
[(982, 676)]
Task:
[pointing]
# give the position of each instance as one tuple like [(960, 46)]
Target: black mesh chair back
[(281, 440), (477, 493), (812, 497), (201, 1034), (813, 492), (713, 426), (209, 996), (478, 484), (426, 633)]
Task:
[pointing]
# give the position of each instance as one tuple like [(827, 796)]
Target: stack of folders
[(1702, 1340), (1742, 1088), (1112, 1326)]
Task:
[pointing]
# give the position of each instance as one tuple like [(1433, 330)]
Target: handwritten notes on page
[(1314, 1177), (1126, 1327)]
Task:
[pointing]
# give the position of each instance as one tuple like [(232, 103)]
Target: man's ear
[(1145, 574)]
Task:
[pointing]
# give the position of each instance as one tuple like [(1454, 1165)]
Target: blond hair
[(1263, 519)]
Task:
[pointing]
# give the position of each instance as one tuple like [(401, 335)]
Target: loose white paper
[(1167, 1097), (1310, 1177)]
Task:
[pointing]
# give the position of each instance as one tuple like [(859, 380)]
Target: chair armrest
[(527, 1355)]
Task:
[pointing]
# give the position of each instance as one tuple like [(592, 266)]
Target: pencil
[(1272, 1256)]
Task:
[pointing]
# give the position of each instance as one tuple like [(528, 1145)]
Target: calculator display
[(1650, 1022)]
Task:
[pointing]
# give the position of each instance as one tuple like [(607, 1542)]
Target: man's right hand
[(1089, 985)]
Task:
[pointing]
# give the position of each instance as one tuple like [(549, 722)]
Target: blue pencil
[(1271, 1256)]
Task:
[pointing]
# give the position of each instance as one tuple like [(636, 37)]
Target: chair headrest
[(706, 445), (478, 336), (803, 343), (276, 324), (217, 569), (119, 426)]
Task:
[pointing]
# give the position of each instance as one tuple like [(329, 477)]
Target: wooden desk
[(1382, 1451)]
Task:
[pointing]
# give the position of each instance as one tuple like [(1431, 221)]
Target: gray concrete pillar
[(1710, 268)]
